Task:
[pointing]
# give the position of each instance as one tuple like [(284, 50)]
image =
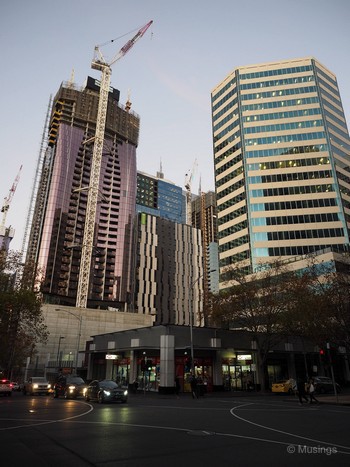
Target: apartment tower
[(57, 231), (282, 163)]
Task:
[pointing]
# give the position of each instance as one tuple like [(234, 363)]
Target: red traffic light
[(321, 351)]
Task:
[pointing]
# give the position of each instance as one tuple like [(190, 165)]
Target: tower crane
[(188, 186), (98, 63), (8, 199)]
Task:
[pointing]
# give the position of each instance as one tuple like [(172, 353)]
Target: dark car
[(70, 387), (106, 391), (323, 384)]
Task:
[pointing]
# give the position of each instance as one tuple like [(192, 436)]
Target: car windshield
[(108, 384), (75, 380)]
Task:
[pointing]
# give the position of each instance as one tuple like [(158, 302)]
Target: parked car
[(284, 386), (5, 387), (15, 386), (323, 385), (106, 391), (36, 385), (70, 387)]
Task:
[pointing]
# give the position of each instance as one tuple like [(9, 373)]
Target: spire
[(160, 173)]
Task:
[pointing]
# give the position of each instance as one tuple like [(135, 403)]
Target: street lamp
[(80, 319), (191, 319), (59, 346)]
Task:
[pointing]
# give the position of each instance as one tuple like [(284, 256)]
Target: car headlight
[(125, 392), (71, 388), (108, 393), (84, 390), (35, 386), (48, 386)]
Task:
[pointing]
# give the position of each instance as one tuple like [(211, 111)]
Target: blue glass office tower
[(282, 163), (160, 197)]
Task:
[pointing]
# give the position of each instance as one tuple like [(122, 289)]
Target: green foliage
[(21, 320)]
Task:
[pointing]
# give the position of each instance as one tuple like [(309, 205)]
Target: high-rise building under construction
[(57, 230), (282, 163)]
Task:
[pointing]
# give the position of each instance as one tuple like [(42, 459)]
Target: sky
[(169, 73)]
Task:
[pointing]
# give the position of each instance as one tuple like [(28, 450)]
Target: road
[(165, 431)]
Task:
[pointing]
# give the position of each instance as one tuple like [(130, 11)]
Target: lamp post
[(191, 320), (59, 346), (80, 319)]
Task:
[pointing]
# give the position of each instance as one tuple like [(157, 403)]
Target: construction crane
[(98, 63), (8, 199), (188, 185)]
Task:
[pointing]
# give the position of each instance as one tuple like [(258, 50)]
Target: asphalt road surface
[(165, 431)]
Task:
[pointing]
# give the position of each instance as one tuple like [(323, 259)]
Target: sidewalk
[(341, 399)]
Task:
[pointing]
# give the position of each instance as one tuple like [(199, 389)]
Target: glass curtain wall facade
[(282, 163), (159, 197), (58, 224)]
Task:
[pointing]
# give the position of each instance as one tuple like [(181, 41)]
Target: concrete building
[(168, 270), (69, 329), (58, 224), (282, 163)]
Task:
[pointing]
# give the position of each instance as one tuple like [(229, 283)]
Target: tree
[(21, 321), (258, 304)]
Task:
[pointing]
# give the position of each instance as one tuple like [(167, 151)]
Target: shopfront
[(238, 372)]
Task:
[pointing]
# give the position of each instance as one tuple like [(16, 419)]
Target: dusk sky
[(170, 72)]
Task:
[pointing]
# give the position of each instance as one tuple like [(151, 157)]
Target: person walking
[(194, 388), (311, 391), (301, 391), (177, 386)]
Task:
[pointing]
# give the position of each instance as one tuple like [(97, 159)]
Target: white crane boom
[(188, 186), (98, 63), (8, 199)]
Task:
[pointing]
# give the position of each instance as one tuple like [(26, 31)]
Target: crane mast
[(8, 199), (188, 187), (98, 63)]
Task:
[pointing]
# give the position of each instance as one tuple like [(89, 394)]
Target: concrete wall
[(64, 321)]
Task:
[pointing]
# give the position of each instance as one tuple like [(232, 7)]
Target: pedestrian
[(177, 386), (311, 391), (194, 388), (301, 391)]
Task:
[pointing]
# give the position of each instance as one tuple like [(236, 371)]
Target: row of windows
[(300, 204), (232, 82), (227, 130), (283, 126), (279, 115), (277, 104), (228, 141), (325, 76), (286, 138), (288, 177), (229, 177), (291, 250), (336, 110), (325, 82), (304, 234), (331, 117), (289, 164), (229, 164), (277, 82), (228, 153), (222, 122), (292, 190), (225, 99), (284, 151), (233, 229), (229, 260), (282, 92), (281, 71), (338, 131), (231, 189), (302, 219), (340, 142), (234, 243), (232, 215)]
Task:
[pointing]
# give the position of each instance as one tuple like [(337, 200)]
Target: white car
[(5, 387), (36, 385)]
